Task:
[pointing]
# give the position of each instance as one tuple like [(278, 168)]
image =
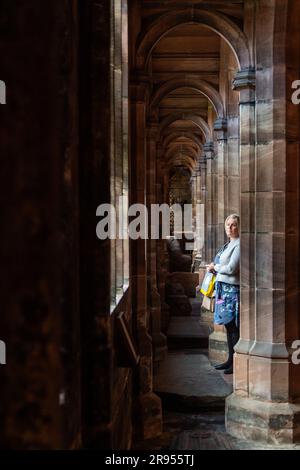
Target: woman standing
[(227, 268)]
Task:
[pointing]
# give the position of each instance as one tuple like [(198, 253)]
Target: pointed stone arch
[(201, 86), (215, 21)]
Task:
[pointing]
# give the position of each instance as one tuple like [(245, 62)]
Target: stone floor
[(187, 333), (193, 395), (200, 431), (186, 380)]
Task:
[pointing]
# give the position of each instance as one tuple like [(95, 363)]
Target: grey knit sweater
[(228, 270)]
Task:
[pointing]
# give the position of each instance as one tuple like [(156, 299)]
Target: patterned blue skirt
[(227, 303)]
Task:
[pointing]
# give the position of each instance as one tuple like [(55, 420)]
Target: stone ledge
[(274, 423)]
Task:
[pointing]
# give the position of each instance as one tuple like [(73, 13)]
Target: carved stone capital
[(220, 124), (244, 78), (208, 146), (209, 150)]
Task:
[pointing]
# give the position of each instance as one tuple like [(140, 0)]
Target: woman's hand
[(210, 268)]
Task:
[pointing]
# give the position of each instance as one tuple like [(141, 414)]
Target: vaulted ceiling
[(188, 51)]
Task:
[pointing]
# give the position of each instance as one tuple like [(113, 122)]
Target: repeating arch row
[(215, 21), (201, 86)]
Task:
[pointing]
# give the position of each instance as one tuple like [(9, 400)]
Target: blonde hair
[(235, 217)]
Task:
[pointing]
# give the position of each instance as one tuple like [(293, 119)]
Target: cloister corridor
[(144, 102)]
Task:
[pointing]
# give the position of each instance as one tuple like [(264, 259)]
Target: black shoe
[(222, 366), (229, 370)]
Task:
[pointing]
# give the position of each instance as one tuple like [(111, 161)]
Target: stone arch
[(197, 120), (200, 85), (218, 22), (183, 160), (176, 135), (184, 149), (188, 144)]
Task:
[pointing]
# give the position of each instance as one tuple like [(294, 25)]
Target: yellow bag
[(208, 284)]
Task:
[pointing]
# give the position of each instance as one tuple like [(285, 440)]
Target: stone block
[(177, 300), (247, 212), (233, 194), (264, 179), (241, 362), (233, 127), (247, 168), (233, 157), (270, 211), (268, 378), (264, 79), (279, 315), (264, 260), (218, 349), (247, 313), (247, 255), (270, 121), (247, 124), (189, 281), (278, 264), (275, 423), (279, 165), (268, 304), (265, 121)]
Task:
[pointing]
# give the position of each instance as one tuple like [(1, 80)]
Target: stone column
[(158, 338), (211, 203), (194, 207), (203, 197), (245, 83), (162, 259), (265, 402), (217, 339), (220, 128), (149, 405)]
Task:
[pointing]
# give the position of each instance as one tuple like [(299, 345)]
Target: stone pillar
[(158, 338), (245, 83), (218, 350), (194, 208), (217, 339), (265, 402), (149, 413), (203, 198), (220, 128), (162, 258), (211, 203), (233, 157)]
